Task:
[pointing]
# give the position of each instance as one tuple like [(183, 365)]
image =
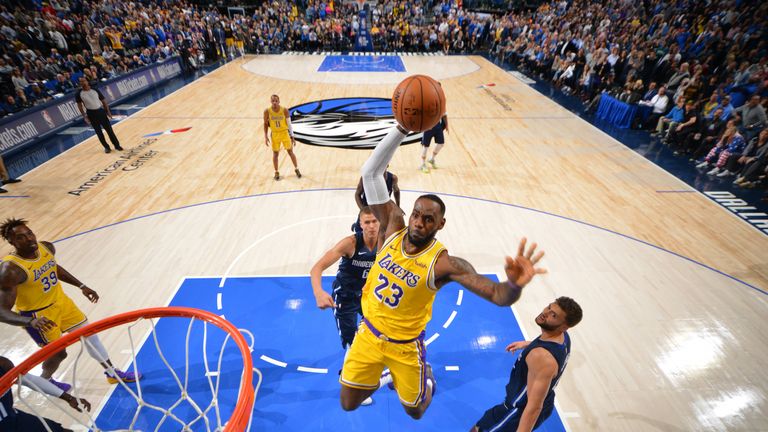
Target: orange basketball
[(418, 103)]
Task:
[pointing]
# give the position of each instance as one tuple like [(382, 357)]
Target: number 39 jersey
[(400, 289), (42, 286)]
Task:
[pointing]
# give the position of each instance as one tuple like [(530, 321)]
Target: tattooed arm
[(520, 270)]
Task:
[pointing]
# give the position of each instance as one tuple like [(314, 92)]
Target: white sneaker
[(725, 173), (703, 165), (367, 401), (713, 171), (424, 168), (432, 162)]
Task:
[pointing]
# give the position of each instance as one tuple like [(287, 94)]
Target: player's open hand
[(90, 294), (522, 268), (324, 300), (514, 346), (76, 403), (266, 142), (42, 324)]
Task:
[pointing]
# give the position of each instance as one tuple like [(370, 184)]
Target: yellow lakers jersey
[(277, 120), (42, 287), (400, 288)]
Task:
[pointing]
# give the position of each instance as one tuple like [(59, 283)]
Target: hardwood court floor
[(666, 343)]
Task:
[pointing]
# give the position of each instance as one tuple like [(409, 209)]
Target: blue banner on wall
[(28, 126)]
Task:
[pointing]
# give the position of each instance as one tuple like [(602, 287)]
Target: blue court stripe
[(14, 196), (762, 291)]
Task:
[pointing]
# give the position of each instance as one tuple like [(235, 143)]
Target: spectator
[(659, 102), (687, 127), (737, 161), (752, 117), (19, 82), (677, 78), (754, 166), (38, 96), (731, 142), (700, 142), (710, 106), (63, 85), (726, 106)]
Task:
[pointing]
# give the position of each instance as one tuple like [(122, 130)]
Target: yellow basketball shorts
[(64, 313), (281, 139), (229, 42), (369, 355)]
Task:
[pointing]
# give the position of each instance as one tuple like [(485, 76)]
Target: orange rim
[(240, 416)]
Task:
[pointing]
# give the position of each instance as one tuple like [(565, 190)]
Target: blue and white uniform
[(506, 416), (348, 289)]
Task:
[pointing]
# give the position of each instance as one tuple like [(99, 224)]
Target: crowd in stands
[(699, 68), (45, 50)]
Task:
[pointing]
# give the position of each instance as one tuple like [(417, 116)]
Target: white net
[(179, 391)]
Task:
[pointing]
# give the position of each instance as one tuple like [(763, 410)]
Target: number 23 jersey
[(400, 289), (42, 286)]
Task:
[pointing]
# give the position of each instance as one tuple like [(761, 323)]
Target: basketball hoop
[(239, 419)]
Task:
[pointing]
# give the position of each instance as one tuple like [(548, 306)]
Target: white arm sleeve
[(373, 170), (290, 126), (40, 384)]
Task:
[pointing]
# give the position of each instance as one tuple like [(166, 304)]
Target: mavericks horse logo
[(352, 123)]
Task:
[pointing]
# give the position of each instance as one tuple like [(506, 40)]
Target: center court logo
[(351, 123)]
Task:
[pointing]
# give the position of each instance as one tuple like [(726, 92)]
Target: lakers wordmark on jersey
[(400, 289), (42, 287), (277, 120)]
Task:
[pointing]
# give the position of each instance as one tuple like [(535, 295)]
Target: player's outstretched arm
[(344, 248), (395, 190), (520, 271), (358, 193), (387, 212)]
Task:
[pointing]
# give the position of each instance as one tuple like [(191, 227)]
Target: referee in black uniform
[(95, 111)]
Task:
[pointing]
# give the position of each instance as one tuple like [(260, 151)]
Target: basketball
[(418, 103)]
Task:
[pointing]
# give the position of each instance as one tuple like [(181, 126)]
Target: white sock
[(424, 153), (438, 147), (96, 349), (386, 378)]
